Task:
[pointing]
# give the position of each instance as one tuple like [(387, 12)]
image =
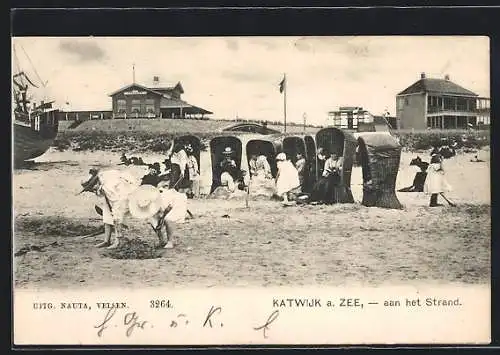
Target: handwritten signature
[(132, 321), (272, 317)]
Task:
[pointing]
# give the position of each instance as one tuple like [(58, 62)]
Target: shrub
[(424, 140), (142, 141)]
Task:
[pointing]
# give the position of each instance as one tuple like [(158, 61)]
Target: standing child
[(194, 172), (435, 182)]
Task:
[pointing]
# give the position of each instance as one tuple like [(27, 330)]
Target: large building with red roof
[(434, 103), (139, 101)]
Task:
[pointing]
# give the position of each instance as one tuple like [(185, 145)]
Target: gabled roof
[(141, 87), (440, 86), (177, 86)]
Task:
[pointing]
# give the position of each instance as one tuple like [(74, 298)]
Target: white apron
[(288, 178)]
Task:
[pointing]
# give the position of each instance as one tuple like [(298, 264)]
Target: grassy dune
[(155, 135)]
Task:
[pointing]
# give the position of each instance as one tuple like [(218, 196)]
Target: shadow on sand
[(43, 166)]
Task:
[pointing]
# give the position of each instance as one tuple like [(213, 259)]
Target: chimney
[(447, 77), (422, 75), (156, 80)]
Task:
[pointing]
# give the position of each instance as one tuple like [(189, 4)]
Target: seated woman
[(287, 178), (178, 167), (259, 167), (326, 190), (300, 165), (155, 177), (228, 169), (263, 167), (333, 170), (420, 176)]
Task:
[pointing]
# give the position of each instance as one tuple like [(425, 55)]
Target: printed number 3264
[(160, 304)]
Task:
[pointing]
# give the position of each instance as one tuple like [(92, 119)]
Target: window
[(406, 101), (462, 104), (449, 103), (400, 103), (136, 106), (473, 105), (150, 106), (121, 106)]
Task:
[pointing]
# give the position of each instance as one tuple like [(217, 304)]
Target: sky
[(240, 76)]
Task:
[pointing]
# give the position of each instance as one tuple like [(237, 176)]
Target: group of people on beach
[(161, 197), (431, 178), (291, 181), (158, 198)]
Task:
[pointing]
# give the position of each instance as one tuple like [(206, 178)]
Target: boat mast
[(43, 83)]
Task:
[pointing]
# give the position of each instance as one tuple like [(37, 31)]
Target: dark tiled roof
[(440, 86), (138, 86)]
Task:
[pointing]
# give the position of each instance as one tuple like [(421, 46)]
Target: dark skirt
[(326, 189), (175, 174)]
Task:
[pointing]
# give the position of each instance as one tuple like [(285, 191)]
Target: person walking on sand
[(435, 182)]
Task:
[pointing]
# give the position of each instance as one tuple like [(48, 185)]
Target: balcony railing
[(453, 110)]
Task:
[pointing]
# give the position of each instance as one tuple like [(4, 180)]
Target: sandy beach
[(262, 245)]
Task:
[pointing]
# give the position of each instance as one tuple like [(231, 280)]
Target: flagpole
[(284, 98)]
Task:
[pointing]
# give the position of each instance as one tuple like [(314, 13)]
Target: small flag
[(282, 85)]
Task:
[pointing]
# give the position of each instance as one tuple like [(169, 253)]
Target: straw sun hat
[(281, 157), (144, 202)]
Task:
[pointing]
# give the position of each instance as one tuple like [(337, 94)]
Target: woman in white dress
[(287, 178), (114, 186), (435, 182)]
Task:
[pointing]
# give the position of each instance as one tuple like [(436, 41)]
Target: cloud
[(353, 47), (240, 75), (84, 51)]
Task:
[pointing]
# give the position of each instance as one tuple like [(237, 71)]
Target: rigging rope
[(34, 69)]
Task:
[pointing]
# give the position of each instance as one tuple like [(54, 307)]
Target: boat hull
[(29, 144)]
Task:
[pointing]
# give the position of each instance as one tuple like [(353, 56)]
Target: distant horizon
[(238, 77)]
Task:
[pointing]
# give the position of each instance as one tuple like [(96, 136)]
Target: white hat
[(144, 202), (281, 156), (227, 150)]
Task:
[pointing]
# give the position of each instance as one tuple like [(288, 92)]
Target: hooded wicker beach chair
[(304, 144), (343, 144), (264, 146), (218, 147), (380, 155)]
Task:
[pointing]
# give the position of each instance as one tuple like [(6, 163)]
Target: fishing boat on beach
[(35, 125)]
